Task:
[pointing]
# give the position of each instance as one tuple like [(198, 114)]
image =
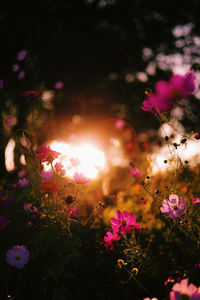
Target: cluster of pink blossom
[(169, 94), (122, 223)]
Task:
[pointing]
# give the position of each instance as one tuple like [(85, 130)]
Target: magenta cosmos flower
[(173, 207), (110, 240), (167, 94), (46, 175), (23, 182), (17, 256), (21, 55), (59, 85), (196, 201), (124, 222), (15, 68), (135, 172), (79, 178), (182, 291)]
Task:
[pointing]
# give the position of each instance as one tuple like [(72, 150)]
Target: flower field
[(126, 233)]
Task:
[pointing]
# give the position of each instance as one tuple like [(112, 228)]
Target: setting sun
[(83, 158)]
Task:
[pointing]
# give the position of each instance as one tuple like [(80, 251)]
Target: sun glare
[(84, 159)]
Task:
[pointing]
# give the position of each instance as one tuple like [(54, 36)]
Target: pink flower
[(167, 94), (79, 178), (46, 175), (59, 169), (72, 212), (29, 207), (75, 161), (135, 172), (124, 222), (59, 85), (21, 74), (17, 256), (11, 121), (21, 55), (21, 173), (111, 239), (23, 182), (196, 201), (1, 83), (173, 206), (184, 291), (15, 68), (150, 299)]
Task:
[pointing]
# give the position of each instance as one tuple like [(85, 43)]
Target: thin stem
[(138, 283)]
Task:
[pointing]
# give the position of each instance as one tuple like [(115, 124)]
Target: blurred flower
[(21, 74), (21, 173), (3, 223), (184, 291), (110, 240), (17, 256), (150, 299), (59, 85), (144, 201), (75, 161), (135, 172), (124, 222), (46, 175), (6, 201), (15, 68), (184, 189), (21, 55), (49, 187), (59, 169), (23, 182), (72, 212), (137, 187), (196, 201), (197, 136), (167, 94), (48, 155), (11, 121), (80, 179), (29, 207), (173, 206), (31, 94), (1, 83)]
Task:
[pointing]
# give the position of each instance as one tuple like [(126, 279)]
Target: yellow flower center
[(123, 223), (17, 257), (175, 207)]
